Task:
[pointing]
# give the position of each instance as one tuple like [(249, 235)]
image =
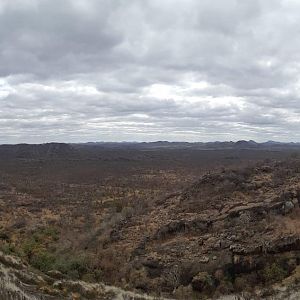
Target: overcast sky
[(145, 70)]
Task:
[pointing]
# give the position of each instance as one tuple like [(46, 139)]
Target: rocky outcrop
[(232, 230)]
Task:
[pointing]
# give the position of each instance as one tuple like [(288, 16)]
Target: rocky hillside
[(232, 231)]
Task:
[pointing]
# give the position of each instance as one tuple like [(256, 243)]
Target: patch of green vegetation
[(274, 272), (29, 247), (46, 234), (43, 261), (8, 248), (38, 250), (38, 242), (208, 282), (73, 266)]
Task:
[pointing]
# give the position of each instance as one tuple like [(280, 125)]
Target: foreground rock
[(19, 282)]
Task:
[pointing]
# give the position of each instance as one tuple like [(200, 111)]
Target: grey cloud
[(79, 70)]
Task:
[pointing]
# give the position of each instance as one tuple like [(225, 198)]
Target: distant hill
[(90, 150), (36, 151), (242, 144)]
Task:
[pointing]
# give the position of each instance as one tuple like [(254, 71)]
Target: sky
[(147, 70)]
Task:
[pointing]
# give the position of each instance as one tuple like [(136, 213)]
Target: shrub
[(43, 261), (45, 234), (75, 267), (29, 248), (7, 248), (274, 272)]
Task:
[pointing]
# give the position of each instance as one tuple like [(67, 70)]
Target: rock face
[(241, 228)]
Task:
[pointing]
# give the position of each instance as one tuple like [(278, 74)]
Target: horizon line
[(151, 142)]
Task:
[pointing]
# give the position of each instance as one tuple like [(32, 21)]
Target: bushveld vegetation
[(93, 218)]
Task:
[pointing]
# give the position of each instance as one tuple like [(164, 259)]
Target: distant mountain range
[(72, 150), (242, 144)]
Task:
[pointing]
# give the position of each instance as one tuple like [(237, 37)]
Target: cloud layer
[(112, 70)]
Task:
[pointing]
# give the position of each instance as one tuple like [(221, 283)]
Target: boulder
[(288, 206)]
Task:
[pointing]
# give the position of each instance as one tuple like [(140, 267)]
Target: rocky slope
[(232, 231)]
